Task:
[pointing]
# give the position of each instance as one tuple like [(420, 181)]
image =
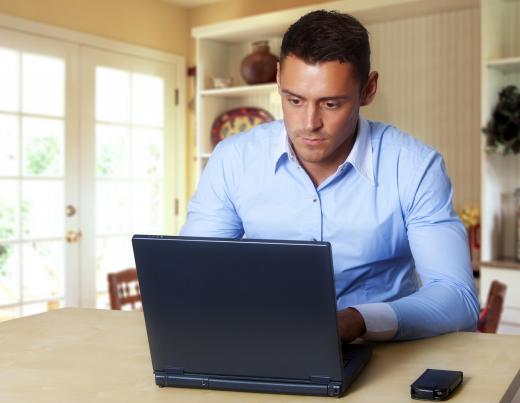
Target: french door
[(86, 160), (128, 112), (38, 174)]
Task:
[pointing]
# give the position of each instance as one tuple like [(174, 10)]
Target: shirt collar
[(283, 148), (360, 156)]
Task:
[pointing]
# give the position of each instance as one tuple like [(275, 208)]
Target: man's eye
[(331, 105), (294, 101)]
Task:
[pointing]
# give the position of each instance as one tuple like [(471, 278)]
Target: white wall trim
[(80, 38)]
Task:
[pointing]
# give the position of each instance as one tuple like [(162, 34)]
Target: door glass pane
[(32, 175), (112, 95), (9, 135), (147, 147), (112, 254), (42, 209), (129, 120), (112, 151), (102, 301), (9, 80), (147, 100), (43, 85), (113, 207), (9, 274), (148, 207), (43, 270), (39, 307), (9, 221), (43, 147)]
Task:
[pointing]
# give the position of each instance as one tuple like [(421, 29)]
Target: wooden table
[(87, 355)]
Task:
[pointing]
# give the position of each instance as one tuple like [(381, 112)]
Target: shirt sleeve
[(380, 321), (446, 300), (211, 212)]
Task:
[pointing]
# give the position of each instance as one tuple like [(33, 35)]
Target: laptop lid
[(241, 309)]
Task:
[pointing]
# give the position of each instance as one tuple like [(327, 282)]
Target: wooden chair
[(490, 314), (123, 289)]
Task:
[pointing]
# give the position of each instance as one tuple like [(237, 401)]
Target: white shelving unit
[(240, 91), (221, 57), (500, 174)]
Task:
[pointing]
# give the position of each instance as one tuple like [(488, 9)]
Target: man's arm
[(211, 212), (446, 301)]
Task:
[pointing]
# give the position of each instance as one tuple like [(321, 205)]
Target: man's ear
[(278, 72), (368, 92)]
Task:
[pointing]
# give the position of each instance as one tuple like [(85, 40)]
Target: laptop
[(244, 315)]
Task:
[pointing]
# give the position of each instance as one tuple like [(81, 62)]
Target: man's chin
[(311, 158)]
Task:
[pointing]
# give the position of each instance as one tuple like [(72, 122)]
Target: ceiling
[(190, 3)]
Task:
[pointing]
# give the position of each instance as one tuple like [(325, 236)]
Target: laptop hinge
[(320, 379), (333, 390)]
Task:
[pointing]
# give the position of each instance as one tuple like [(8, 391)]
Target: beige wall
[(150, 23), (429, 86)]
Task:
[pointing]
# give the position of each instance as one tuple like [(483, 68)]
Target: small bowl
[(222, 82)]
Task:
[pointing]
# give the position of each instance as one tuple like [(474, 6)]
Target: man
[(382, 198)]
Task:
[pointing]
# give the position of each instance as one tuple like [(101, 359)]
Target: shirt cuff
[(380, 321)]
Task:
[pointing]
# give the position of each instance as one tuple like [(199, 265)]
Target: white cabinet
[(221, 57), (500, 174)]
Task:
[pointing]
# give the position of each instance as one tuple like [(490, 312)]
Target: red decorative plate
[(236, 121)]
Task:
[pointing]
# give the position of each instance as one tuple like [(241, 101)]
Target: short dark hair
[(323, 36)]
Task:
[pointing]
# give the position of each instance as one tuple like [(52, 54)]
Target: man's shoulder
[(390, 142)]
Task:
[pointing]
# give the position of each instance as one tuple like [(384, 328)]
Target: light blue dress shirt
[(399, 250)]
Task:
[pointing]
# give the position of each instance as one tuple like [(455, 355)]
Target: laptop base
[(356, 356)]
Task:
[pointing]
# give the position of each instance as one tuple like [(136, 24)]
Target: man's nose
[(313, 119)]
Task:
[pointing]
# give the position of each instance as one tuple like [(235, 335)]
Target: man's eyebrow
[(332, 98)]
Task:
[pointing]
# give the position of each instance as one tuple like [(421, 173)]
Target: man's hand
[(351, 325)]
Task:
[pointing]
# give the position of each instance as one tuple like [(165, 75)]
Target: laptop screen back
[(261, 309)]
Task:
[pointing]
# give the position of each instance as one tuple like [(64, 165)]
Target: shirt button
[(314, 200), (314, 239)]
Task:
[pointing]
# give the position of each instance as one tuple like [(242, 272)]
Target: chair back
[(123, 288), (490, 314)]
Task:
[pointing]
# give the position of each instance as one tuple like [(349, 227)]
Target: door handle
[(70, 210), (73, 236)]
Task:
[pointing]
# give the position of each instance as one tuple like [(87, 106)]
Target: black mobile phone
[(435, 384)]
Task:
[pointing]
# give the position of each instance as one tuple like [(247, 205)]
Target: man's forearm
[(436, 309)]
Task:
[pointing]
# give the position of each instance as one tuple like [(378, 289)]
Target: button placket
[(315, 230)]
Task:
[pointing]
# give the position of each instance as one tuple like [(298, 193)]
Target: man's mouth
[(312, 141)]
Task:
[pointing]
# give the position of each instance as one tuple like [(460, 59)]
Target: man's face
[(320, 105)]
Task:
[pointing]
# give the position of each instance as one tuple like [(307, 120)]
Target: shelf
[(505, 65), (242, 91), (252, 28), (505, 263)]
